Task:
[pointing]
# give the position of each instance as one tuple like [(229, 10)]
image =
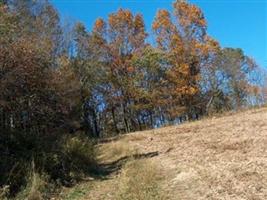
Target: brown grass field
[(220, 158)]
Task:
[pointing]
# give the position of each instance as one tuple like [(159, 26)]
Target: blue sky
[(234, 23)]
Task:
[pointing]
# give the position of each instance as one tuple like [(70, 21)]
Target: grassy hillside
[(216, 158)]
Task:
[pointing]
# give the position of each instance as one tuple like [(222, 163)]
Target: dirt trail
[(216, 158)]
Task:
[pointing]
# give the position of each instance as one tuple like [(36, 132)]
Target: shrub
[(64, 160), (80, 154)]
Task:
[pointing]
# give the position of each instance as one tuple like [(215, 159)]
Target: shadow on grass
[(104, 170), (110, 139)]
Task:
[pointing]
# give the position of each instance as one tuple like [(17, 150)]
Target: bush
[(64, 160), (80, 154)]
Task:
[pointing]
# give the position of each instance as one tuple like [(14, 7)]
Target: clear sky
[(234, 23)]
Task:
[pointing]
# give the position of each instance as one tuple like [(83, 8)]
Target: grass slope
[(216, 158)]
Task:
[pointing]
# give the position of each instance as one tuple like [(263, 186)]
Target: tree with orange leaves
[(187, 46), (117, 41)]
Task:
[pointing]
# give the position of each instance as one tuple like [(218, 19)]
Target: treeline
[(57, 78), (134, 85)]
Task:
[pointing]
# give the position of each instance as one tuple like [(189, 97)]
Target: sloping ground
[(216, 158)]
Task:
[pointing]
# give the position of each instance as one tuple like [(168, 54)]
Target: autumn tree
[(117, 41), (38, 101), (89, 71), (238, 68), (150, 103), (184, 39), (39, 19)]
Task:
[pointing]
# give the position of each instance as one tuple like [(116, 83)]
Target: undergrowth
[(37, 170)]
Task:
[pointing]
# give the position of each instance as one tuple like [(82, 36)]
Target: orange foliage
[(189, 14), (99, 25), (186, 44)]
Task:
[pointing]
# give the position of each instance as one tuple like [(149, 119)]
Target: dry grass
[(140, 179), (35, 189), (115, 150), (216, 158), (78, 192), (222, 158)]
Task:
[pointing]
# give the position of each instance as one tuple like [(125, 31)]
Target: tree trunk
[(114, 120)]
